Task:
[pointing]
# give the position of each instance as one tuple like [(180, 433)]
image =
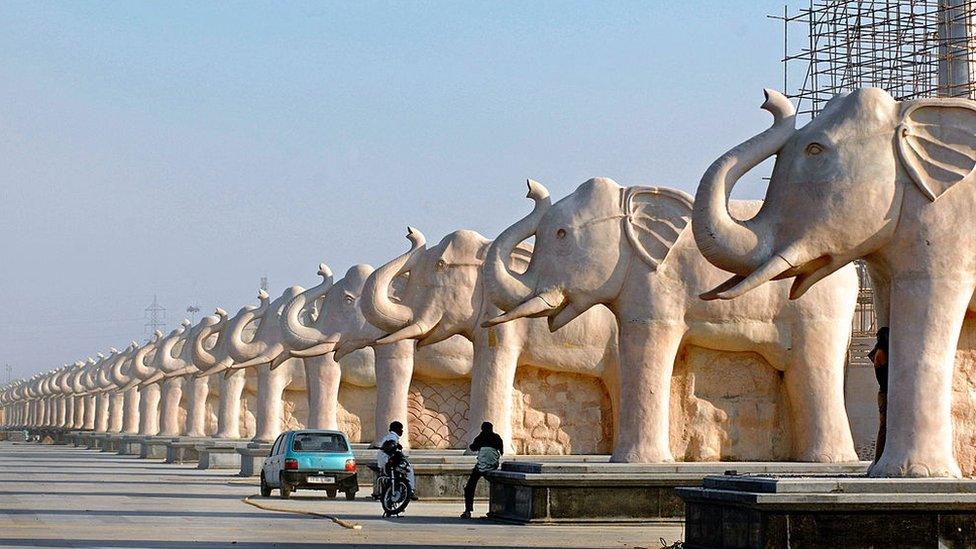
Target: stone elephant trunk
[(742, 247), (378, 308), (505, 287)]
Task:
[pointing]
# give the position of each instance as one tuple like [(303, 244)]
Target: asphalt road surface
[(60, 496)]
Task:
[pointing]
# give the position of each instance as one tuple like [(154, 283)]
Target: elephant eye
[(561, 233), (441, 264), (813, 149), (350, 299)]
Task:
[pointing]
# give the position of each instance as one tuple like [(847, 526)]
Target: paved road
[(57, 496)]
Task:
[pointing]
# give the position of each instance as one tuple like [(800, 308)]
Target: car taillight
[(351, 465), (291, 464)]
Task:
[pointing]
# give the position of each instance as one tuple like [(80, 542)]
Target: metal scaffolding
[(911, 48)]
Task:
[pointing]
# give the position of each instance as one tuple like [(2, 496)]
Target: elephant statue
[(338, 331), (139, 369), (267, 343), (130, 393), (166, 358), (445, 296), (890, 182), (632, 250), (230, 387), (173, 367)]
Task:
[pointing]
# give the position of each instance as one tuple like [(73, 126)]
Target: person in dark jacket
[(490, 449), (879, 356)]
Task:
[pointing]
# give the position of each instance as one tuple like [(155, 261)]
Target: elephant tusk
[(216, 369), (152, 379), (536, 306), (280, 359), (412, 331), (317, 350), (769, 270)]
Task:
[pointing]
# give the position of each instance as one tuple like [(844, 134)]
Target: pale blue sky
[(187, 149)]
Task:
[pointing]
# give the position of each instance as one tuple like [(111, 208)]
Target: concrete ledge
[(183, 449), (112, 442), (543, 492), (130, 445), (97, 441), (219, 455), (153, 447), (753, 511), (252, 458)]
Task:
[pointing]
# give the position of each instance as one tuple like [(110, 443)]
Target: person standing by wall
[(879, 356)]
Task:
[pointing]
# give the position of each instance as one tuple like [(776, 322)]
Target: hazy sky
[(187, 150)]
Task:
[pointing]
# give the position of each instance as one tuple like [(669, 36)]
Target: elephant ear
[(655, 218), (937, 143)]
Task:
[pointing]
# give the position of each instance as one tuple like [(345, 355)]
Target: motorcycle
[(394, 487)]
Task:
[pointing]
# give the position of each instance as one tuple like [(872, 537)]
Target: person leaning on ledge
[(490, 448)]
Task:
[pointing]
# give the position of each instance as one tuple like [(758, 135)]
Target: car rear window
[(319, 442)]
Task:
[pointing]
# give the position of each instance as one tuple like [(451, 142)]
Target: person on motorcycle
[(490, 448), (396, 431)]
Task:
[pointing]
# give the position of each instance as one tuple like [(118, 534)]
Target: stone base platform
[(80, 439), (14, 435), (154, 447), (219, 454), (97, 441), (131, 445), (252, 458), (112, 442), (792, 511), (548, 492), (183, 449)]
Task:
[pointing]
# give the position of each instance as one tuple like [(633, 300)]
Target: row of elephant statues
[(616, 282)]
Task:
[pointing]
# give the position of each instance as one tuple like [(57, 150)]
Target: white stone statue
[(444, 296), (886, 181), (632, 250), (338, 330)]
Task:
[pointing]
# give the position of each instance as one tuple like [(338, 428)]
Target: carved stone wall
[(437, 410), (294, 409), (728, 406), (560, 413), (964, 398)]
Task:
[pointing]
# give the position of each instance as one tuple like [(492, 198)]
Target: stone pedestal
[(97, 441), (154, 447), (554, 492), (80, 439), (219, 455), (112, 442), (130, 445), (183, 449), (15, 436), (252, 458), (744, 512)]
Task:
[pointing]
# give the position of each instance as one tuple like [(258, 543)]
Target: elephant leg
[(196, 408), (229, 413), (149, 411), (814, 381), (271, 387), (89, 412), (926, 318), (647, 354), (130, 412), (611, 379), (169, 412), (323, 375), (116, 405), (493, 383), (101, 413), (394, 370)]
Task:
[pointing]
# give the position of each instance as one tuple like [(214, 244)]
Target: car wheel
[(331, 493), (265, 489), (285, 489), (350, 495)]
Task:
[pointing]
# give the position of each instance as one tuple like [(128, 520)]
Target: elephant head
[(585, 246), (140, 367), (298, 318), (206, 344), (168, 357), (443, 291), (838, 187), (337, 323)]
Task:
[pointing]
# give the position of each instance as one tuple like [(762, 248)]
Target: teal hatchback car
[(310, 459)]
